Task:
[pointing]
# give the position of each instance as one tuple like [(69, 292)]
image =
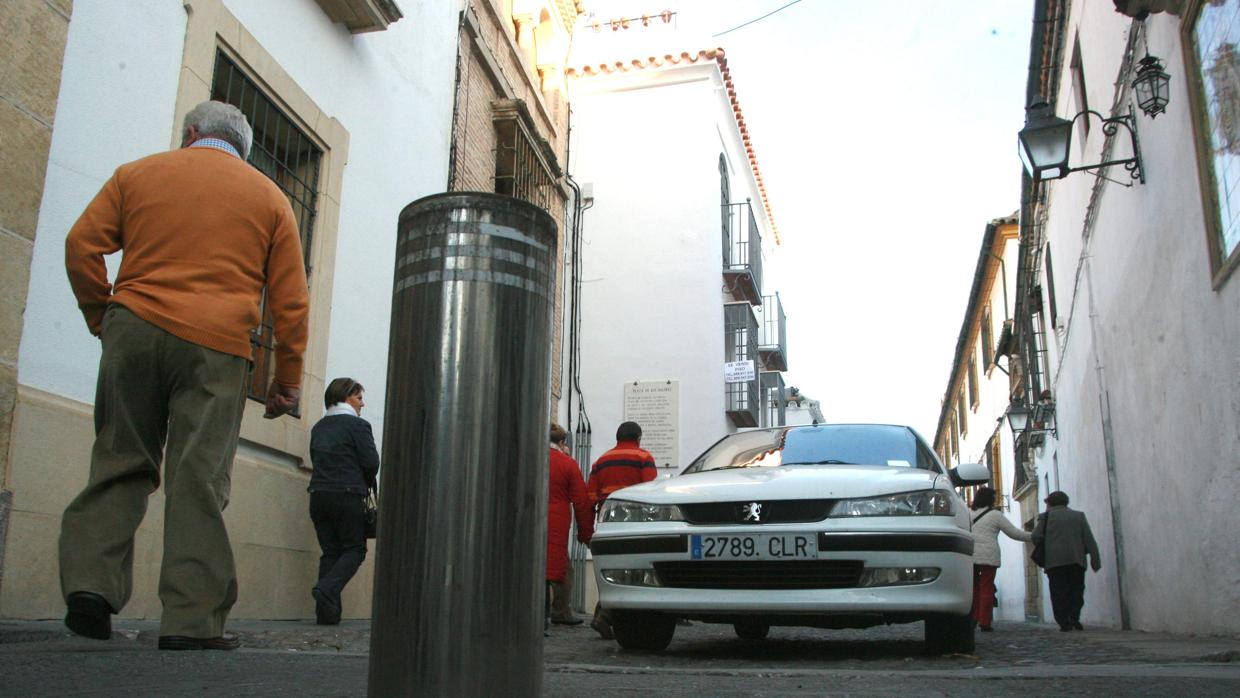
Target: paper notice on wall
[(655, 406), (738, 371)]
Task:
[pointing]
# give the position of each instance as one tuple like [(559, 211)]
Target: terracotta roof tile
[(716, 55)]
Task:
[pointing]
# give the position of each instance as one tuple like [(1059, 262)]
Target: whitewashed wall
[(986, 420), (1148, 345), (652, 301), (391, 90), (117, 91)]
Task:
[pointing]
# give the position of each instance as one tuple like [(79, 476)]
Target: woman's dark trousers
[(340, 524), (1067, 584)]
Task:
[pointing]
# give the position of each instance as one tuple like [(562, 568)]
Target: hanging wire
[(746, 24)]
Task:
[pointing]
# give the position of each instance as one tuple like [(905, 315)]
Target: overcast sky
[(886, 134)]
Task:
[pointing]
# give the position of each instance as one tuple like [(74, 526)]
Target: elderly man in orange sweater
[(203, 233)]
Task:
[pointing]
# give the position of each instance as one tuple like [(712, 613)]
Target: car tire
[(751, 630), (947, 634), (643, 630)]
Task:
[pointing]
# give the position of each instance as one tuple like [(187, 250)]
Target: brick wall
[(494, 49)]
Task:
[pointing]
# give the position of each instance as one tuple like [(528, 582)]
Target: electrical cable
[(759, 19)]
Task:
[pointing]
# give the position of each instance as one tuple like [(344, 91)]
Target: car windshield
[(831, 444)]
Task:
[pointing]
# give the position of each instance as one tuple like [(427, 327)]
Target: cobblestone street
[(40, 659)]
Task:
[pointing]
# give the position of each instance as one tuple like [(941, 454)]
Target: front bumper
[(948, 550)]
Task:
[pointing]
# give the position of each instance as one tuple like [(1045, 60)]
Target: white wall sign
[(738, 371), (655, 406)]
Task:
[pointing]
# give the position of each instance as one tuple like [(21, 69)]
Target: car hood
[(784, 482)]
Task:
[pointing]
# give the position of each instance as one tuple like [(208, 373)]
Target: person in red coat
[(566, 498), (626, 464)]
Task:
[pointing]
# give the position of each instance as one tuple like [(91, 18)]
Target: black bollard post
[(459, 575)]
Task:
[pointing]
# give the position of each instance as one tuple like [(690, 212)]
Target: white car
[(829, 526)]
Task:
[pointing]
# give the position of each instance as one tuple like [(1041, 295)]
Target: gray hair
[(223, 121)]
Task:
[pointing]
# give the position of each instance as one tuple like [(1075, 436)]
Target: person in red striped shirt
[(625, 464)]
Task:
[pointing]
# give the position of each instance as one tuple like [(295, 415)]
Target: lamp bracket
[(1109, 128)]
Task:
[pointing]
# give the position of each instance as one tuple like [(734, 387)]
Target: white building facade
[(1128, 309), (352, 106), (676, 265), (971, 426)]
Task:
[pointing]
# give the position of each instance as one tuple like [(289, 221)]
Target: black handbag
[(1039, 549), (372, 514)]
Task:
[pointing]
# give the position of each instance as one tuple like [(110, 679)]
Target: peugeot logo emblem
[(752, 512)]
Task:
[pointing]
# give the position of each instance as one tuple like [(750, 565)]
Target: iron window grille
[(773, 344), (289, 157), (521, 169), (741, 344), (742, 269), (774, 399)]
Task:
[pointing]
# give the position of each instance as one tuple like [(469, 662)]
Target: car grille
[(760, 574), (775, 511)]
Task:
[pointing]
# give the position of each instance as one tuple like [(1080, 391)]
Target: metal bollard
[(460, 557)]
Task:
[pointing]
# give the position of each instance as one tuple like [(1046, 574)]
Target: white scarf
[(341, 408)]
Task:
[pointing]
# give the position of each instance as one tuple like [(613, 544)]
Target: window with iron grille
[(288, 156), (741, 344), (521, 170), (775, 402)]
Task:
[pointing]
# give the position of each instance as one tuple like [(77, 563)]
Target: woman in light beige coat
[(987, 522)]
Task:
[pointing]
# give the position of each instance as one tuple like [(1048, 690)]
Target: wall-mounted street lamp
[(1152, 86), (1035, 422), (1046, 142), (1018, 418)]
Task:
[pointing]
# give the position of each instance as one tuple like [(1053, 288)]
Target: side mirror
[(971, 474)]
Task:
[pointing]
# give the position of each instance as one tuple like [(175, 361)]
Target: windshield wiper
[(829, 461)]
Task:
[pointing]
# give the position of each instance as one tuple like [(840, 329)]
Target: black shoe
[(89, 615), (986, 628), (326, 609), (225, 642), (567, 621), (1065, 628), (1077, 626)]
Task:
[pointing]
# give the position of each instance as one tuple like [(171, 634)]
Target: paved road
[(39, 659)]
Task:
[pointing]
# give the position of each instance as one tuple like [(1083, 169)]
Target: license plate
[(757, 546)]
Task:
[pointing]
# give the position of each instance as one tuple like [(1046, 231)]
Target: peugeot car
[(829, 526)]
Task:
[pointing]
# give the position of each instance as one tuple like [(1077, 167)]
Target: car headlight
[(620, 511), (923, 503)]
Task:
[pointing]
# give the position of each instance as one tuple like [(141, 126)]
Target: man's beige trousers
[(156, 389)]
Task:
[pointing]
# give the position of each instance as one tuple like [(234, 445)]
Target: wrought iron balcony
[(740, 343), (742, 253), (773, 344), (774, 399)]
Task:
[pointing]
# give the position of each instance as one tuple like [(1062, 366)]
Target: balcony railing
[(744, 400), (774, 399), (742, 253), (773, 345)]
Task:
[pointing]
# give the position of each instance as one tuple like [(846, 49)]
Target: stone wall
[(32, 41)]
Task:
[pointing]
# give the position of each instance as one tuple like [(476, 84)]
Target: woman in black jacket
[(346, 464)]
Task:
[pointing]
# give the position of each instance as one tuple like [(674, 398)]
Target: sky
[(885, 131)]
